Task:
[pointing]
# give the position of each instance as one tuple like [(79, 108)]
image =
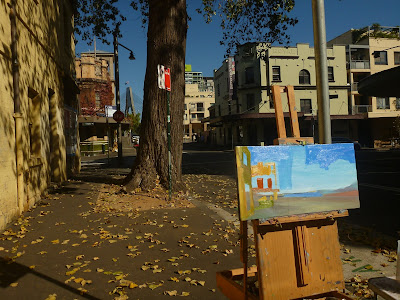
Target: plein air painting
[(278, 181)]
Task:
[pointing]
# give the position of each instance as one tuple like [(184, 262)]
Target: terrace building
[(370, 50)]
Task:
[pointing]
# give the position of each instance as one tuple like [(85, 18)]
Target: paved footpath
[(64, 249)]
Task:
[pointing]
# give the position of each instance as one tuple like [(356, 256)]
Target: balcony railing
[(354, 87), (199, 108), (361, 109), (359, 64)]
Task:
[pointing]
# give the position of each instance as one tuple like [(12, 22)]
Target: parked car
[(135, 140), (338, 140)]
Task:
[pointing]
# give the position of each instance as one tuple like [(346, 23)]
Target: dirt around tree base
[(111, 198)]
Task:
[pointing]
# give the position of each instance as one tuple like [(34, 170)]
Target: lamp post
[(117, 94)]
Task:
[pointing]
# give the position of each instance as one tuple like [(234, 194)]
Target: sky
[(204, 52), (309, 168)]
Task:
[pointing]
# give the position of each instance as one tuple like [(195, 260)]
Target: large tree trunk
[(166, 45)]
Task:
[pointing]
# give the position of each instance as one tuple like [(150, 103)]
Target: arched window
[(304, 77)]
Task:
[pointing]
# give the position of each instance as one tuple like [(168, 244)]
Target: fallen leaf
[(171, 293)]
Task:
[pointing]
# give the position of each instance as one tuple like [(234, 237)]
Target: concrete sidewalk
[(63, 247), (66, 247)]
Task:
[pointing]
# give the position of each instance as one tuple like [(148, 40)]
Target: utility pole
[(117, 96), (321, 67)]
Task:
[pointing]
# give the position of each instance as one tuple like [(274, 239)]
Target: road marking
[(92, 163), (380, 187)]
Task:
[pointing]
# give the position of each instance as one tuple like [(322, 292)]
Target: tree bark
[(166, 45)]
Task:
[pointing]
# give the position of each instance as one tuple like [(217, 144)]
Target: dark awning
[(382, 84)]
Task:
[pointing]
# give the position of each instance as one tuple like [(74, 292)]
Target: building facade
[(38, 119), (244, 109), (370, 50), (199, 97)]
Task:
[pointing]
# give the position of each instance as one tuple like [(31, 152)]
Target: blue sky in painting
[(309, 168)]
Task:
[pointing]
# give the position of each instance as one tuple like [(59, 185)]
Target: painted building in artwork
[(243, 113), (38, 117), (199, 97), (370, 50)]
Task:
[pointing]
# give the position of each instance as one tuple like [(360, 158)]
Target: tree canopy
[(241, 20)]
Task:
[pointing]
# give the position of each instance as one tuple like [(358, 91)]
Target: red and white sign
[(164, 78), (118, 116), (161, 77), (167, 79)]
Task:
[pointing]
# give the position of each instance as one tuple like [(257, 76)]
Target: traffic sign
[(161, 77), (118, 116), (167, 79)]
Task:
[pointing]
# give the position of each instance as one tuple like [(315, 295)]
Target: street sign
[(110, 110), (118, 116), (167, 79), (161, 77)]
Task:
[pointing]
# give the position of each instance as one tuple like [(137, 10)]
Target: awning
[(382, 84)]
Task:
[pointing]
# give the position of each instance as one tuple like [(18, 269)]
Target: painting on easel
[(278, 181)]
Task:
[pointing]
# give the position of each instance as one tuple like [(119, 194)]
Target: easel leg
[(244, 254)]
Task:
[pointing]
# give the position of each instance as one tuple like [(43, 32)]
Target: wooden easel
[(297, 256)]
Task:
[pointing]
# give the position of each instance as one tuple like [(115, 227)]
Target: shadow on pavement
[(10, 272)]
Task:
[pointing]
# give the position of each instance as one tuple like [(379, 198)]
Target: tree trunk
[(166, 45)]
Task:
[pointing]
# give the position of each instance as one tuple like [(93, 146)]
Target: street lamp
[(117, 95)]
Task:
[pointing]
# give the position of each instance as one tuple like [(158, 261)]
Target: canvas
[(278, 181)]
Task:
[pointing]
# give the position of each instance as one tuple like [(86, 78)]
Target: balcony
[(359, 64), (354, 87), (361, 109)]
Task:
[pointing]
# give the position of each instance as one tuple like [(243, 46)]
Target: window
[(380, 57), (397, 58), (276, 73), (249, 75), (98, 101), (185, 117), (397, 103), (193, 116), (330, 74), (200, 116), (382, 103), (98, 70), (200, 106), (305, 106), (250, 103), (304, 77), (185, 106)]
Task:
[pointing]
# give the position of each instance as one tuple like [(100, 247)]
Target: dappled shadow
[(11, 272)]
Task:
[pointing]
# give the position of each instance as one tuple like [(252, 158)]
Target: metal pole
[(321, 67), (169, 146), (117, 96)]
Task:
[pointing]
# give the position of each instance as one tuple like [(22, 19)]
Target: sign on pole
[(161, 77), (167, 79), (164, 83), (118, 116)]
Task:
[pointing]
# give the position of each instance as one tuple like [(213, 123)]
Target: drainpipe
[(19, 155)]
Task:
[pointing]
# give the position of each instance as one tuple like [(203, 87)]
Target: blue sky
[(309, 168), (204, 52)]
